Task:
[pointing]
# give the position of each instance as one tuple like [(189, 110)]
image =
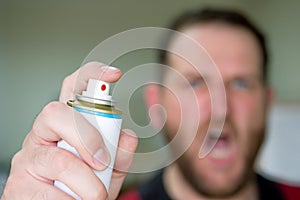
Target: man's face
[(237, 56)]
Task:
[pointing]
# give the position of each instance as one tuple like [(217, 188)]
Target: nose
[(218, 114), (219, 104)]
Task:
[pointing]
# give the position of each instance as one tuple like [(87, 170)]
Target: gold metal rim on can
[(94, 107)]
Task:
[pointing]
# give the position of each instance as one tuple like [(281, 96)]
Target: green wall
[(43, 41)]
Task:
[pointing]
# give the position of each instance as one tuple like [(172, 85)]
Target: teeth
[(219, 153), (214, 135)]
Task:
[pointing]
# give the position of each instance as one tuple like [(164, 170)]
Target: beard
[(202, 185)]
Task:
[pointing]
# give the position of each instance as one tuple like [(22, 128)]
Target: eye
[(240, 84), (197, 82)]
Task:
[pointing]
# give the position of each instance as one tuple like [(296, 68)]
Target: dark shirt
[(155, 189)]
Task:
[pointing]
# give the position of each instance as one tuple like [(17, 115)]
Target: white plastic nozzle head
[(97, 89)]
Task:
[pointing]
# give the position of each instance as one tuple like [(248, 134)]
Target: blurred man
[(239, 52)]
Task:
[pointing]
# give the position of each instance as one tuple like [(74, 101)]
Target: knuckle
[(51, 109), (18, 162), (16, 158), (67, 82)]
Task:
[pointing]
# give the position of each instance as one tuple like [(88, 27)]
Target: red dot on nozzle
[(103, 87)]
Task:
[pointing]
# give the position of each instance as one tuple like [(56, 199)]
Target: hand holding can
[(40, 162)]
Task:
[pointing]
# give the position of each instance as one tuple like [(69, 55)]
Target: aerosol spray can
[(97, 106)]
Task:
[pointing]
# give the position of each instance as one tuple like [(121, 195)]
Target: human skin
[(35, 167), (227, 171)]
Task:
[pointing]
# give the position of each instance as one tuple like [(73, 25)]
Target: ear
[(153, 104)]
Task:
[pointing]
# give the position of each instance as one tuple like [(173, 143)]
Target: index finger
[(77, 81)]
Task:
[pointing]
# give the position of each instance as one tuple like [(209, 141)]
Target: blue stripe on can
[(102, 114)]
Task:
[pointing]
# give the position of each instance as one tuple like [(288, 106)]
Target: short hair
[(225, 16)]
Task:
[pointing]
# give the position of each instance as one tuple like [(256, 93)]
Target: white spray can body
[(98, 108)]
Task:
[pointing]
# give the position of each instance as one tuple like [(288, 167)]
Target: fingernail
[(101, 158), (109, 68)]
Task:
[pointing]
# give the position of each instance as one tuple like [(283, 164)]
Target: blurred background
[(41, 42)]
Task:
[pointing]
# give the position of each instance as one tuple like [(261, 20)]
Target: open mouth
[(222, 145)]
